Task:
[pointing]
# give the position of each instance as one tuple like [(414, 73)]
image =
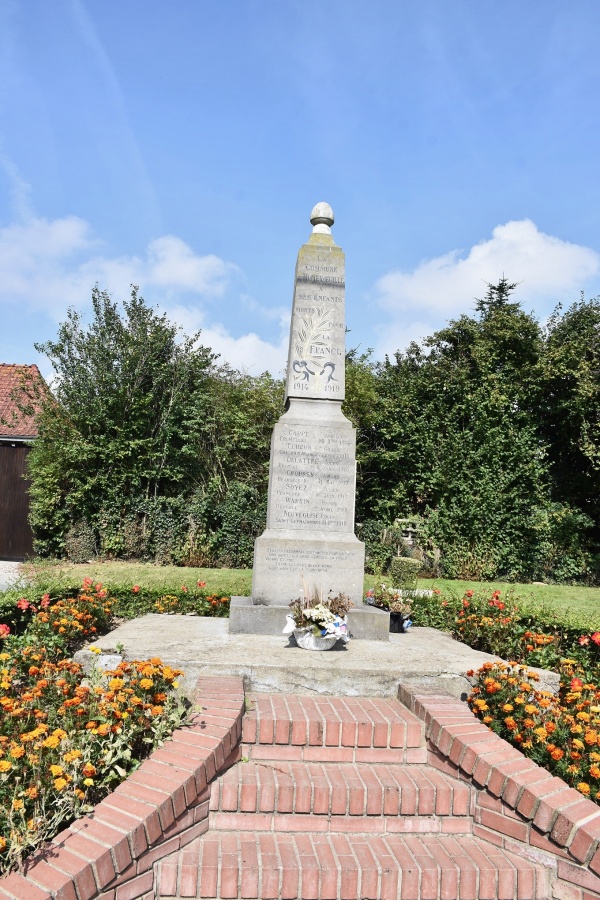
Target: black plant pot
[(397, 623)]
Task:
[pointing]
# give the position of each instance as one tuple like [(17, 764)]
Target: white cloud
[(547, 268), (49, 265)]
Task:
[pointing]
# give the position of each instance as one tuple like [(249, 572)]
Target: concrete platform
[(366, 623), (423, 657)]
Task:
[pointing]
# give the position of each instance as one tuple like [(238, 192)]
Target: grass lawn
[(580, 602)]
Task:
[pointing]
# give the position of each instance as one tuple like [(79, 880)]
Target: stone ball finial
[(322, 214)]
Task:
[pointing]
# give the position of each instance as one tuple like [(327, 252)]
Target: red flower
[(202, 584), (469, 593), (595, 637), (466, 603), (184, 589), (583, 640), (576, 684), (135, 589), (4, 631), (23, 603), (436, 591)]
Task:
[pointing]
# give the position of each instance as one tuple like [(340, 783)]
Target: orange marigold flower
[(89, 770), (17, 804), (557, 754)]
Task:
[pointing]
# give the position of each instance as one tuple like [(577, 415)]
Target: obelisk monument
[(309, 542)]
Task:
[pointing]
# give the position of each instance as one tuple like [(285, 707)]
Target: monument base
[(289, 564), (364, 622)]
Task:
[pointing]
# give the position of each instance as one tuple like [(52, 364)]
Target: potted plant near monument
[(396, 597)]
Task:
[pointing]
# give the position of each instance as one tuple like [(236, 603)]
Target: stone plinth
[(309, 543), (364, 622)]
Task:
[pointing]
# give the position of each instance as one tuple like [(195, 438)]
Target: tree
[(457, 441), (143, 426)]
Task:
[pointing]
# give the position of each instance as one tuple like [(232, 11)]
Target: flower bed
[(66, 741), (559, 732)]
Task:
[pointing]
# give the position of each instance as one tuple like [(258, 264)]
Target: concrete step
[(355, 725), (338, 790), (228, 865)]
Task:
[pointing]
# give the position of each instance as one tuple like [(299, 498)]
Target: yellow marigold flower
[(591, 737), (103, 729), (32, 792), (79, 793), (57, 770), (17, 804), (59, 733), (577, 729), (519, 700), (577, 743), (531, 709), (583, 716), (17, 751), (595, 771), (595, 756), (146, 684), (5, 765), (72, 755), (88, 782), (115, 684), (51, 742), (583, 787), (508, 707), (488, 719), (60, 784), (2, 844)]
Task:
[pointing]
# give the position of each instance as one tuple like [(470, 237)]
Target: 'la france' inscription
[(317, 334), (312, 480)]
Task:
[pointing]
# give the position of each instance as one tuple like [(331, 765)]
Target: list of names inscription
[(312, 479)]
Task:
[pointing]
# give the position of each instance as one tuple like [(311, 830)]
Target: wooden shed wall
[(16, 539)]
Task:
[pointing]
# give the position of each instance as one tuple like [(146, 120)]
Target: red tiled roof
[(13, 421)]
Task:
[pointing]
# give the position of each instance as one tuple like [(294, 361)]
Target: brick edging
[(517, 804), (110, 853)]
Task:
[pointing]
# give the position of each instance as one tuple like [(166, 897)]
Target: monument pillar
[(309, 542)]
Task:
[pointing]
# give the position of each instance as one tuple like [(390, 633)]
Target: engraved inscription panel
[(309, 561), (317, 337), (312, 480)]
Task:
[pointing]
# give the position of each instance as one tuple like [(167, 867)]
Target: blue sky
[(180, 146)]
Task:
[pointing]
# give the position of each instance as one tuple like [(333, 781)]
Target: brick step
[(313, 824), (348, 723), (338, 790), (227, 865)]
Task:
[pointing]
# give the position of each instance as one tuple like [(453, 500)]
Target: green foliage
[(403, 572), (144, 433), (468, 433)]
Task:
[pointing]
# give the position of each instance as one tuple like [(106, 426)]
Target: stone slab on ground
[(9, 573), (204, 646), (366, 623)]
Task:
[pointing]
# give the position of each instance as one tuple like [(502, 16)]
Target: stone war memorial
[(309, 543)]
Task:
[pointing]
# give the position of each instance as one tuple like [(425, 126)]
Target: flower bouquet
[(318, 624), (395, 601)]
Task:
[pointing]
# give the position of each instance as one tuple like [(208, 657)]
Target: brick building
[(17, 429)]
